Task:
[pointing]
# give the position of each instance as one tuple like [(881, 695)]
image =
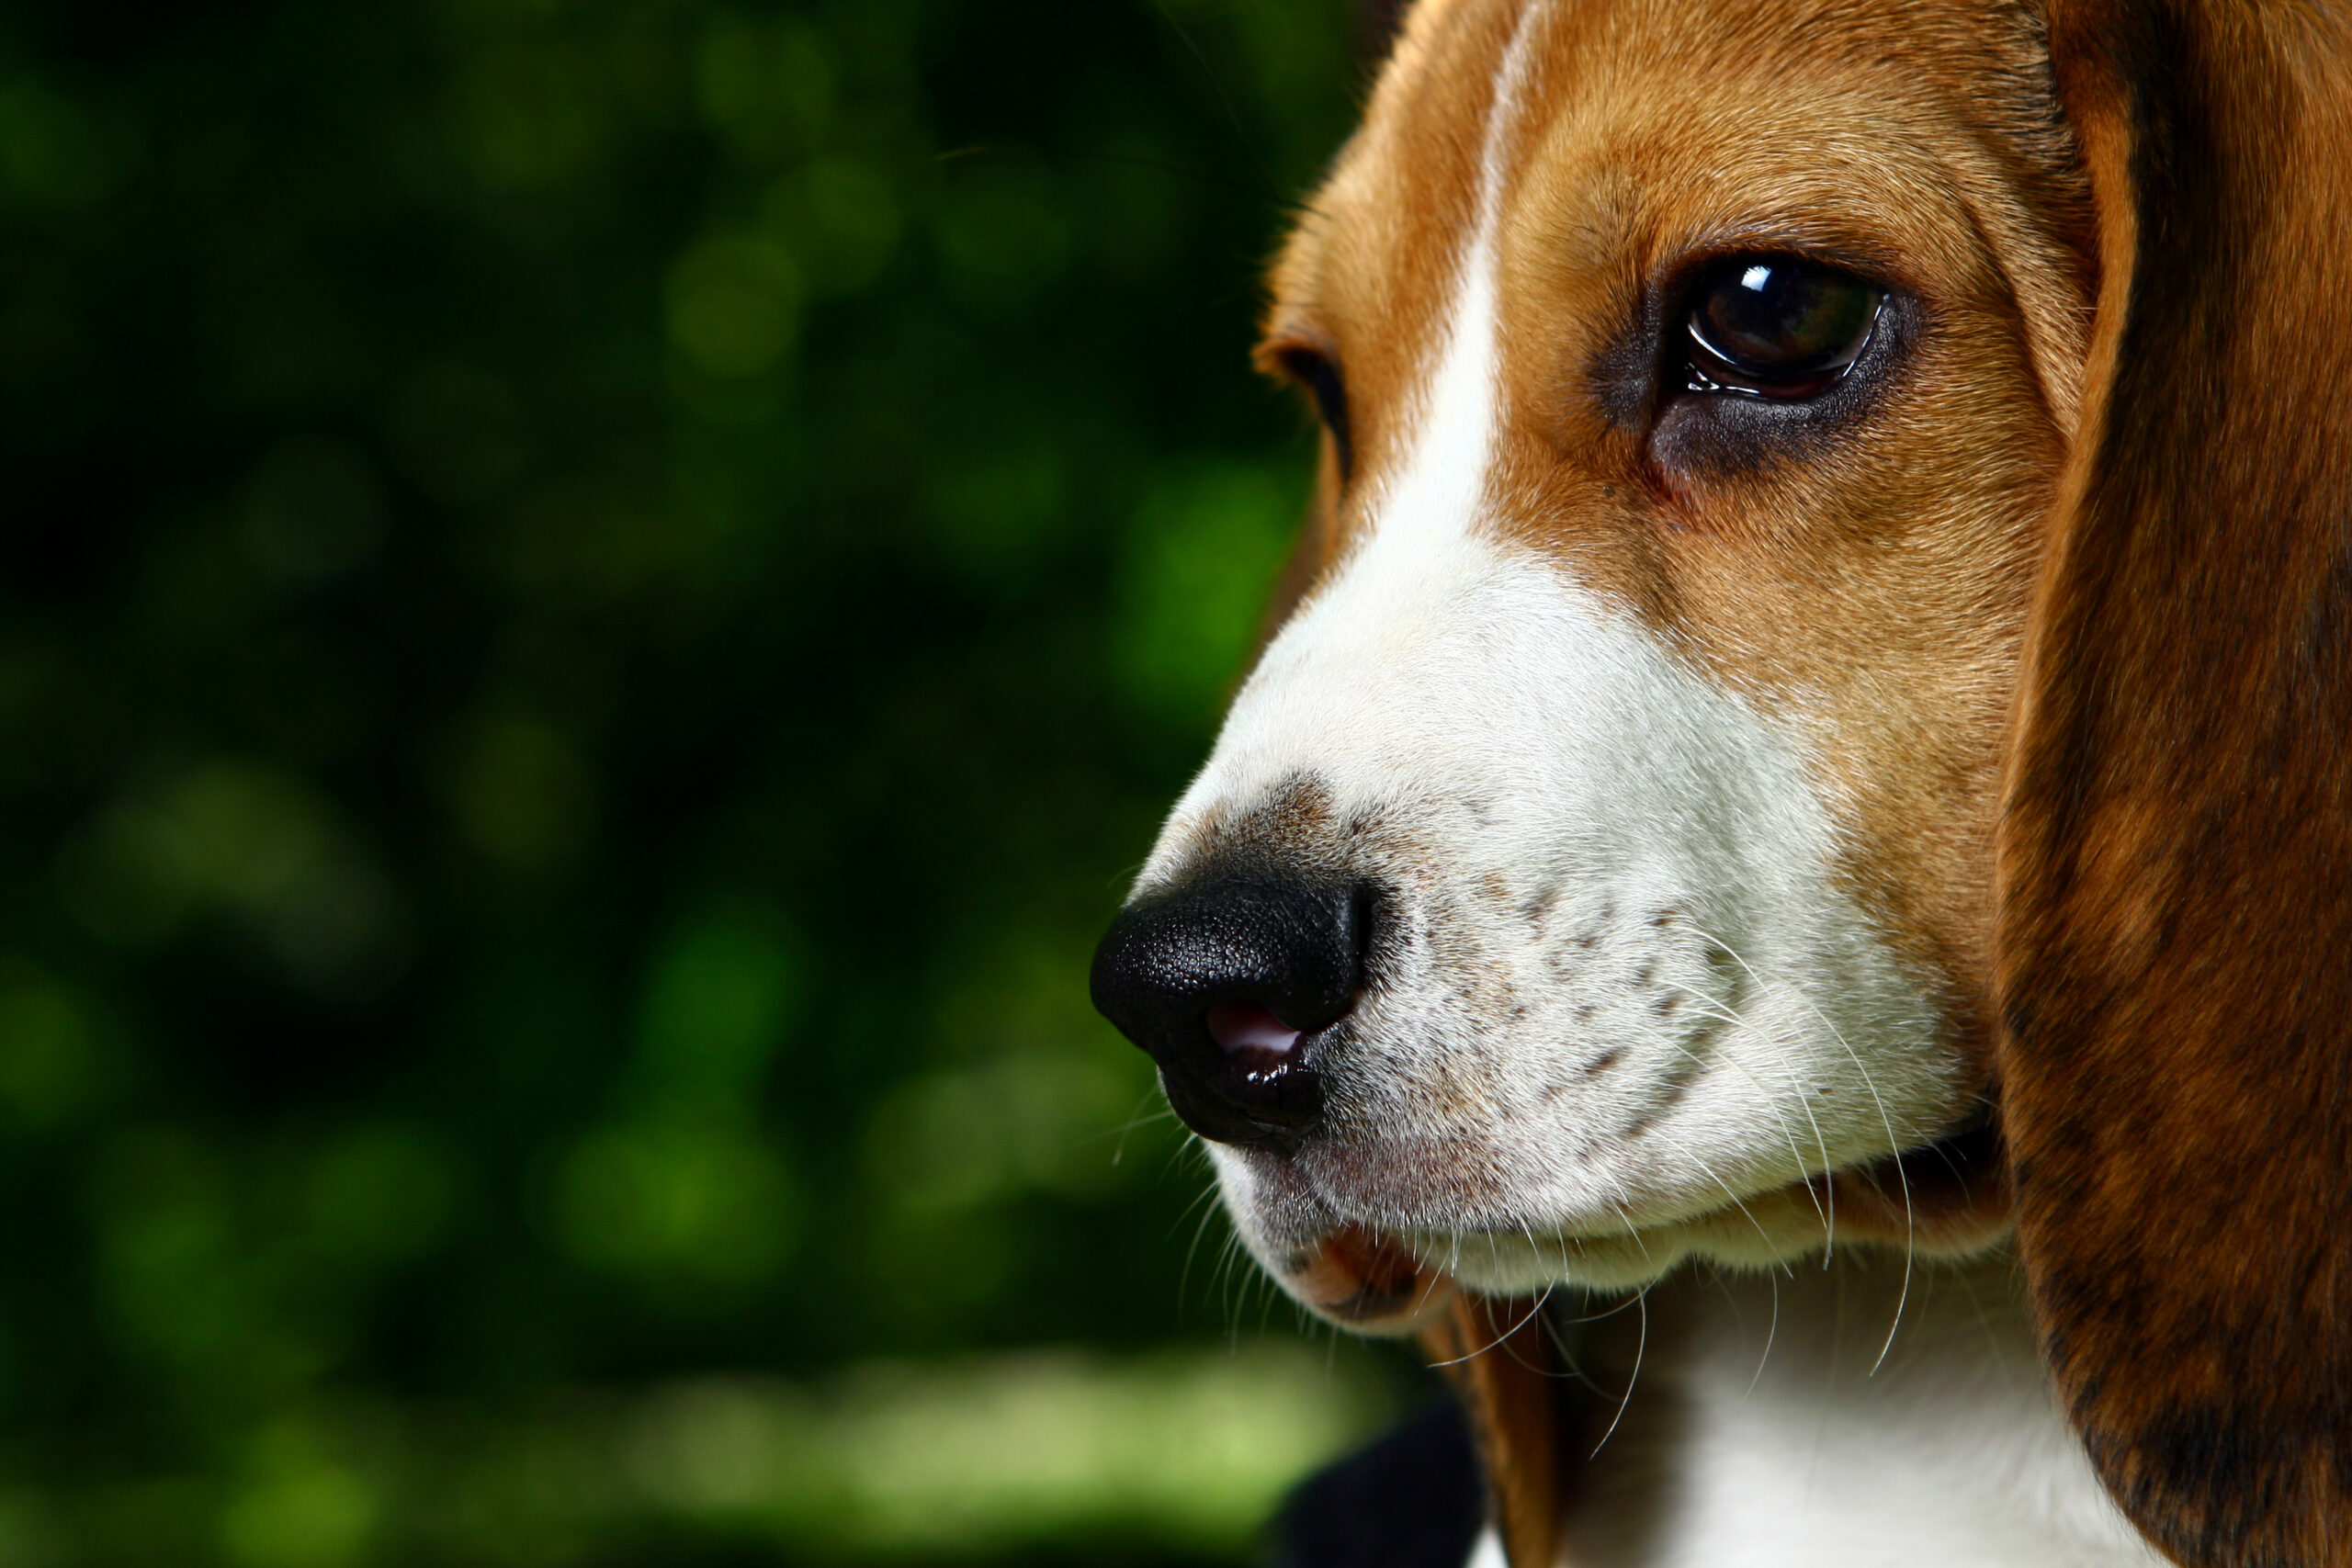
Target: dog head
[(1828, 523), (1597, 863)]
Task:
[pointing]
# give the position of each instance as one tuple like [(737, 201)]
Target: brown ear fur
[(2176, 849), (1502, 1360)]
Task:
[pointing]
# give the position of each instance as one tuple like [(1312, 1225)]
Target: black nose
[(1230, 985)]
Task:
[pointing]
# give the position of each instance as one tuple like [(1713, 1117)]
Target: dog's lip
[(1366, 1278)]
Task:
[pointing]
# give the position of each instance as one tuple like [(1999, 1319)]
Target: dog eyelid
[(1315, 370)]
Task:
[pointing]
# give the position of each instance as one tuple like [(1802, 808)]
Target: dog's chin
[(1365, 1280), (1947, 1199)]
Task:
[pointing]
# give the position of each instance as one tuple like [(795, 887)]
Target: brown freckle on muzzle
[(1295, 819)]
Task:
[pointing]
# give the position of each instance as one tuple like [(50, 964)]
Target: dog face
[(1594, 869)]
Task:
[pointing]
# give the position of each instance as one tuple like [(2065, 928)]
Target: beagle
[(1798, 803)]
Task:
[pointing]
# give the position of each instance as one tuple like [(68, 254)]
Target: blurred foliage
[(599, 595)]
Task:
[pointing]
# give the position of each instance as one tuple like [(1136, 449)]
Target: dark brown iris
[(1776, 327)]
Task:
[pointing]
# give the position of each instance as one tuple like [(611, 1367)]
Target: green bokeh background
[(600, 595)]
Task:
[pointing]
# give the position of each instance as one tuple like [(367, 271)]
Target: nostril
[(1233, 985), (1250, 1035)]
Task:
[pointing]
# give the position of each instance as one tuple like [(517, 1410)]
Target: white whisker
[(1709, 1172), (1895, 1149), (1772, 1331), (1828, 1198), (1641, 1348), (1713, 1008)]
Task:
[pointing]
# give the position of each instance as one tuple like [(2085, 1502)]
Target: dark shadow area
[(597, 599)]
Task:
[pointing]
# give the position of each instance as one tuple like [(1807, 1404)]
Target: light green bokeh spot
[(51, 1063), (1201, 563), (762, 87), (378, 1195), (734, 306), (678, 1203), (723, 993), (300, 1509)]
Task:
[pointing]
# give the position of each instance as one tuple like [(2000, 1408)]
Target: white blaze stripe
[(1423, 517), (1440, 495)]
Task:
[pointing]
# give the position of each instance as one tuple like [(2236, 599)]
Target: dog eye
[(1320, 375), (1774, 327)]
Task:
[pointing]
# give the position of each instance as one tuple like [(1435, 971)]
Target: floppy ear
[(2176, 854), (1501, 1360)]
